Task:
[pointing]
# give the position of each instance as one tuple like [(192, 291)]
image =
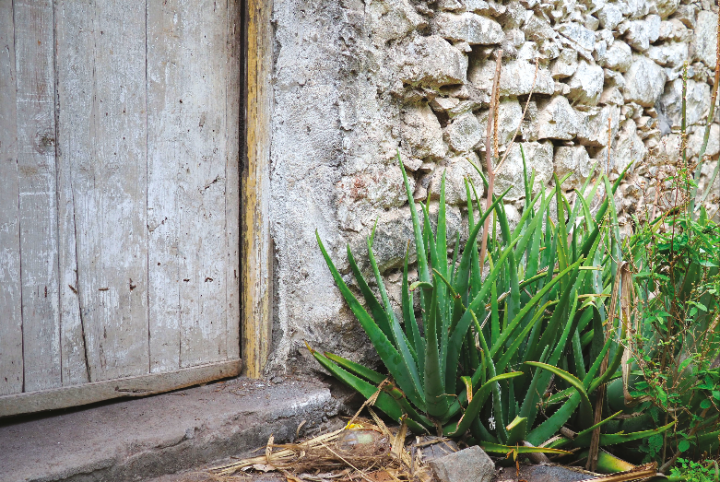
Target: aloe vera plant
[(482, 352)]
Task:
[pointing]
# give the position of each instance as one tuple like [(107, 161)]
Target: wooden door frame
[(256, 249)]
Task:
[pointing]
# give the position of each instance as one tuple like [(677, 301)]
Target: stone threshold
[(138, 439)]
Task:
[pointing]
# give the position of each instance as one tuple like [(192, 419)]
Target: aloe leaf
[(589, 430), (400, 342), (474, 407), (529, 306), (550, 426), (461, 284), (462, 326), (519, 339), (435, 396), (494, 448), (441, 234), (386, 351), (513, 304), (585, 406), (614, 439), (378, 313), (357, 369), (423, 272), (384, 401), (411, 325), (516, 430)]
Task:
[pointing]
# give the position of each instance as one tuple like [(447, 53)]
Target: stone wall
[(355, 81)]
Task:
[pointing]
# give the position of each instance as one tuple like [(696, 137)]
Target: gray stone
[(456, 170), (667, 151), (579, 35), (440, 449), (538, 156), (697, 101), (574, 160), (469, 464), (687, 14), (628, 147), (617, 57), (696, 138), (509, 116), (612, 96), (672, 54), (468, 27), (586, 84), (644, 81), (610, 16), (556, 120), (514, 16), (443, 104), (463, 133), (543, 473), (516, 78), (538, 29), (422, 134), (634, 8), (593, 125), (393, 19), (674, 29), (565, 65), (664, 8), (432, 62), (139, 439), (463, 5), (641, 33), (705, 39)]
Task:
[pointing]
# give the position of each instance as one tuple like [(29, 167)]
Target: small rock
[(440, 449), (392, 19), (462, 5), (586, 84), (672, 54), (697, 101), (593, 125), (516, 78), (705, 39), (610, 16), (687, 14), (575, 160), (713, 146), (471, 464), (468, 27), (432, 62), (565, 65), (641, 33), (556, 120), (456, 170), (628, 148), (612, 96), (617, 57), (443, 104), (422, 133), (634, 8), (664, 8), (538, 156), (509, 116), (464, 133), (644, 81), (539, 29), (674, 29), (579, 35)]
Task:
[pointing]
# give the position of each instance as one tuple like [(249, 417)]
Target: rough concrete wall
[(354, 81)]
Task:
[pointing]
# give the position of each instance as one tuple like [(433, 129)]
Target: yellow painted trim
[(256, 269)]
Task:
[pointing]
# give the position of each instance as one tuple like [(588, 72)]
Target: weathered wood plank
[(107, 168), (34, 50), (256, 245), (234, 111), (188, 149), (11, 363), (139, 386), (74, 72)]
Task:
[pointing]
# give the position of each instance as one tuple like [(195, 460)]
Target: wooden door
[(119, 198)]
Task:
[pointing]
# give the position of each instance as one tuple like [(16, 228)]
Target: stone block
[(456, 170), (468, 27), (431, 62), (705, 38), (644, 81), (516, 78), (617, 57), (470, 464), (422, 135), (509, 116), (671, 54), (574, 160), (463, 133), (556, 120), (586, 84)]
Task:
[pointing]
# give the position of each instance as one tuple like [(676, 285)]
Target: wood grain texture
[(74, 39), (11, 363), (108, 166), (256, 243), (119, 190), (34, 55), (139, 386)]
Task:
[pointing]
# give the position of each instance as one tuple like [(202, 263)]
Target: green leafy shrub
[(689, 471), (483, 351)]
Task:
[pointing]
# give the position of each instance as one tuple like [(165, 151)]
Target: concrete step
[(139, 439)]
